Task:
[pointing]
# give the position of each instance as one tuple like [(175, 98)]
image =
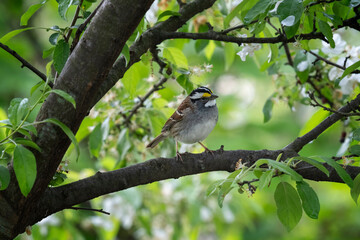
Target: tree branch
[(25, 63), (89, 209)]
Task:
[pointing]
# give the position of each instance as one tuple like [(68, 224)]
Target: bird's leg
[(206, 149), (178, 155)]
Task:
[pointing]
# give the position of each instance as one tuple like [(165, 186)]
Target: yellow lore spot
[(206, 95)]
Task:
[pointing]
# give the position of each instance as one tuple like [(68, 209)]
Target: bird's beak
[(213, 96)]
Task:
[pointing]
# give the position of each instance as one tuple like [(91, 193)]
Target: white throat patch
[(210, 103)]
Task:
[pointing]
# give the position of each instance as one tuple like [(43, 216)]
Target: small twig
[(83, 26), (162, 64), (320, 2), (25, 63), (286, 47), (155, 88), (318, 91), (273, 26), (332, 63), (315, 103), (76, 16), (89, 209), (226, 31)]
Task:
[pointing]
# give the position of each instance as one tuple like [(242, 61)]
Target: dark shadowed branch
[(25, 63)]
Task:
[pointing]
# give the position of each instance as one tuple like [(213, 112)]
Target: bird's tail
[(156, 140)]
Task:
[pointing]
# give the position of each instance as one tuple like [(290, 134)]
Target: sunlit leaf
[(309, 199), (168, 13), (350, 69), (25, 168), (288, 205), (13, 33), (315, 119), (30, 12), (176, 56)]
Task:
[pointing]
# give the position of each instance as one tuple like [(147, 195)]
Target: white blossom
[(151, 13), (339, 46), (248, 49), (302, 66)]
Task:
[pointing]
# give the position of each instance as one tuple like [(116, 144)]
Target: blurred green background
[(179, 209)]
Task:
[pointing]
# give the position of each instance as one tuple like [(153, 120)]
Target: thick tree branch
[(25, 63)]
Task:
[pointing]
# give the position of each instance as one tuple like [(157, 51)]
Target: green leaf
[(285, 169), (61, 54), (340, 171), (290, 10), (355, 190), (265, 179), (350, 69), (267, 109), (123, 144), (132, 77), (232, 14), (4, 178), (309, 199), (288, 205), (356, 134), (200, 45), (17, 110), (98, 136), (213, 187), (184, 81), (46, 53), (355, 149), (326, 30), (229, 55), (63, 7), (31, 10), (65, 95), (260, 7), (29, 127), (68, 132), (13, 33), (315, 119), (301, 57), (314, 163), (58, 179), (25, 168), (168, 13), (176, 56), (27, 143), (54, 38)]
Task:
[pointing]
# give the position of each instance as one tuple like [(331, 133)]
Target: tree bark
[(86, 69)]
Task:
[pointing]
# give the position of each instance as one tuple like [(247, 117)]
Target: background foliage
[(261, 89)]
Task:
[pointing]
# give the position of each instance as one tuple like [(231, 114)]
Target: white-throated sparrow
[(192, 121)]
